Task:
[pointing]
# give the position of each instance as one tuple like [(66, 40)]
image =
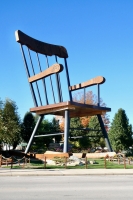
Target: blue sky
[(98, 35)]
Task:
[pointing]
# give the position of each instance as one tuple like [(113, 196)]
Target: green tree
[(83, 122), (76, 131), (44, 129), (96, 135), (1, 123), (1, 104), (76, 125), (56, 129), (27, 126), (10, 124), (1, 118), (120, 133)]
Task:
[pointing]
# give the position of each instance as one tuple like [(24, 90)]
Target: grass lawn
[(100, 164)]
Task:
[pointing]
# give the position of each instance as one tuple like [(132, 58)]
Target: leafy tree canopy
[(86, 121), (47, 127), (10, 123)]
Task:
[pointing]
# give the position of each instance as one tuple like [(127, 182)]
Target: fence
[(13, 161), (63, 160)]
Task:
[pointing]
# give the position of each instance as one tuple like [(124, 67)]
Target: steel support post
[(66, 131), (107, 142), (34, 132), (98, 96)]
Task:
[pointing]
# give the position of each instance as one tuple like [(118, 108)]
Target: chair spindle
[(43, 80), (28, 75), (34, 74), (50, 80)]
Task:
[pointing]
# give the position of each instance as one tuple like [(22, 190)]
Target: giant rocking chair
[(46, 86)]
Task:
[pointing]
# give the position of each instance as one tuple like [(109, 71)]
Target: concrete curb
[(64, 172)]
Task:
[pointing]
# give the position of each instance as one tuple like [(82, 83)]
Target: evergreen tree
[(96, 135), (27, 126), (10, 125), (120, 132)]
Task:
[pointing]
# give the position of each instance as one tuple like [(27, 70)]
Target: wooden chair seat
[(75, 109)]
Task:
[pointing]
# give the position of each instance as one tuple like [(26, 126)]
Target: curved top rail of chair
[(40, 47), (93, 81)]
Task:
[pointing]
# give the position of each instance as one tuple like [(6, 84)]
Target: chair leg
[(66, 131), (34, 132), (104, 133)]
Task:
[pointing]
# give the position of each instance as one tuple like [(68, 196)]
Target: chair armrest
[(91, 82), (56, 68)]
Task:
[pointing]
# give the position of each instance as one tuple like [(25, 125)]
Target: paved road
[(102, 187)]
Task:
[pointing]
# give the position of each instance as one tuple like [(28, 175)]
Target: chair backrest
[(43, 71), (44, 63)]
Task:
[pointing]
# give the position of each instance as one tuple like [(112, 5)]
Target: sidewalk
[(64, 172)]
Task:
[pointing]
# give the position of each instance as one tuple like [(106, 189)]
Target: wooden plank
[(93, 81), (76, 113), (68, 104), (39, 156), (57, 105), (87, 113), (75, 109), (56, 68), (53, 110), (40, 47), (53, 155)]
